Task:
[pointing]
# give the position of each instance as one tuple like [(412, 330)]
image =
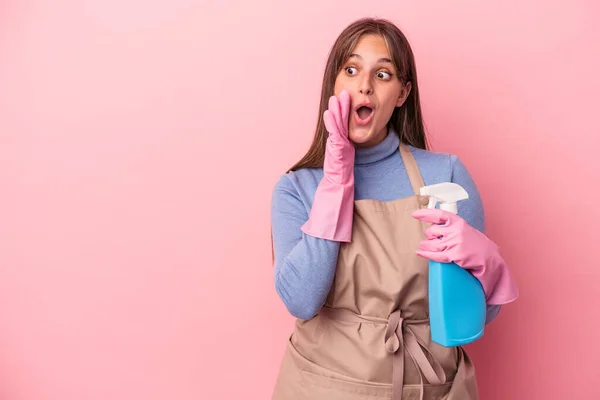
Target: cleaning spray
[(457, 306)]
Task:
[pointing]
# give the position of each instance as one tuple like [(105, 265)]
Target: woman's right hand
[(333, 205)]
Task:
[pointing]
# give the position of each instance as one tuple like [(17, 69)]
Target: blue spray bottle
[(457, 306)]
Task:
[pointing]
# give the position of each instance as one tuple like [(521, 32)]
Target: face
[(375, 90)]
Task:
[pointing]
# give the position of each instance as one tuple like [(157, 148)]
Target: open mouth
[(364, 114)]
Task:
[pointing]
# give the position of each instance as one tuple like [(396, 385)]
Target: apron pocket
[(325, 387), (321, 383), (318, 387)]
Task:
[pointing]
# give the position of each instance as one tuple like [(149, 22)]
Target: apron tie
[(399, 337)]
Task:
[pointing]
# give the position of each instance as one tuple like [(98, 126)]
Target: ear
[(404, 92)]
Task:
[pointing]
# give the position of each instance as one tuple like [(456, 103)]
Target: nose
[(365, 87)]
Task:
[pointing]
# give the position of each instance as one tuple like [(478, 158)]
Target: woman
[(352, 237)]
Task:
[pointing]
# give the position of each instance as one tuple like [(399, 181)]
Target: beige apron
[(371, 340)]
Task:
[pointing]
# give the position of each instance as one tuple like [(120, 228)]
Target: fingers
[(338, 114), (435, 245), (434, 256), (435, 231), (345, 111), (329, 121), (433, 215), (435, 249), (334, 108)]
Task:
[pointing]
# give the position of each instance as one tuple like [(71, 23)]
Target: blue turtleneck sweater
[(305, 265)]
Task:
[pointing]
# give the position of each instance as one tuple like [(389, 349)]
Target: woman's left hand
[(452, 239)]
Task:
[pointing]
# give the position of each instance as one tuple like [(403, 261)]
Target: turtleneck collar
[(368, 155)]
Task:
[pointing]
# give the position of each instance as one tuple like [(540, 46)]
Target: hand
[(332, 210), (452, 239), (339, 151)]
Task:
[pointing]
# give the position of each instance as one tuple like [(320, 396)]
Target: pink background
[(140, 142)]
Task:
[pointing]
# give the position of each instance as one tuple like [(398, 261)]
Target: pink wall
[(140, 141)]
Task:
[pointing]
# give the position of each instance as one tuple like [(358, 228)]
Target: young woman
[(352, 237)]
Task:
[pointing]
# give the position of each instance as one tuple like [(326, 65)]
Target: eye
[(351, 71), (384, 75)]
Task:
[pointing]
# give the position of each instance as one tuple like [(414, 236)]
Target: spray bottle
[(457, 306)]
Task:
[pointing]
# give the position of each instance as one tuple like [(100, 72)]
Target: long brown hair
[(406, 120)]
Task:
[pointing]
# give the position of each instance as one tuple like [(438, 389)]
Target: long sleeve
[(304, 265), (472, 211)]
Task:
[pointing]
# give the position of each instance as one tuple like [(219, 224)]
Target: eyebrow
[(381, 60)]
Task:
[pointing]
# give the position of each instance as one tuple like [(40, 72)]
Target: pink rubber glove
[(333, 206), (469, 248)]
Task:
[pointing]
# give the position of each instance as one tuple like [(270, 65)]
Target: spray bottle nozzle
[(445, 193)]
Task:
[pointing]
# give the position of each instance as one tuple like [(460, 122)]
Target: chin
[(362, 135)]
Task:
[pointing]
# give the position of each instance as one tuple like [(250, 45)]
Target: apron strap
[(414, 174)]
